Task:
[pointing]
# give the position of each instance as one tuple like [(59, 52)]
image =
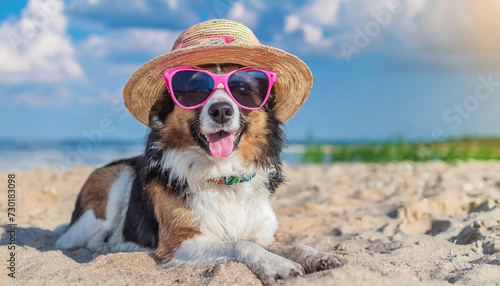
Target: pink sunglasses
[(191, 87)]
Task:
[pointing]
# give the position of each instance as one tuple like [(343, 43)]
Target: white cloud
[(139, 13), (61, 97), (426, 33), (462, 30), (444, 32), (310, 21), (172, 4), (312, 34), (243, 15), (292, 23), (129, 42), (325, 12), (316, 13), (36, 48)]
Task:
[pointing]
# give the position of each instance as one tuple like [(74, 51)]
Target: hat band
[(210, 40)]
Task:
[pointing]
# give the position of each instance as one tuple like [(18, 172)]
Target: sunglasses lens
[(191, 88), (249, 88)]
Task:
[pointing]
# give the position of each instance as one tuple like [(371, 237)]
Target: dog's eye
[(243, 87)]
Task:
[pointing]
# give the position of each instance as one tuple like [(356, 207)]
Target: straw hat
[(220, 41)]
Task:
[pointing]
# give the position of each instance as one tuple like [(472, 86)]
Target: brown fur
[(255, 136), (95, 191), (176, 133), (175, 222)]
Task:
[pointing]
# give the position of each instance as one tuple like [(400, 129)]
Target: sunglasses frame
[(217, 78)]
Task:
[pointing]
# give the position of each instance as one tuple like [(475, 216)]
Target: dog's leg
[(310, 259), (85, 229), (268, 267)]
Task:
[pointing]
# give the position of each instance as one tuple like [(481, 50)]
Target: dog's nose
[(221, 112)]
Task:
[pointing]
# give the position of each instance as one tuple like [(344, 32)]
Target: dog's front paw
[(320, 261), (170, 264), (274, 268), (179, 263)]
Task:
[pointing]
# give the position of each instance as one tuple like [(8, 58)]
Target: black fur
[(271, 153), (160, 176), (128, 162), (141, 225), (160, 110), (78, 211)]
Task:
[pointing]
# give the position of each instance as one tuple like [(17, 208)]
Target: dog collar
[(232, 180)]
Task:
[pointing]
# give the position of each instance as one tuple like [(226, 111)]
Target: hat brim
[(294, 79)]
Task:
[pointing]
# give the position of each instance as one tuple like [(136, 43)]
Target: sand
[(395, 224)]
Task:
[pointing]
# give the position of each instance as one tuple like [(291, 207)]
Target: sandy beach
[(395, 224)]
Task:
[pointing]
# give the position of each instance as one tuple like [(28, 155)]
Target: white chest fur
[(226, 213), (232, 213)]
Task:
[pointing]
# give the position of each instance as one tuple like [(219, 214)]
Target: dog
[(200, 193)]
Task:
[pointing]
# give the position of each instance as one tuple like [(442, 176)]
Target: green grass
[(449, 151), (314, 154)]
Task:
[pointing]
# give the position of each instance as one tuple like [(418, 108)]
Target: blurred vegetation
[(452, 150)]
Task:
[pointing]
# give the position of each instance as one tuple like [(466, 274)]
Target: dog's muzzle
[(221, 112)]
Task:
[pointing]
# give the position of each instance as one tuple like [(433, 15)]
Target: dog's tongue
[(221, 144)]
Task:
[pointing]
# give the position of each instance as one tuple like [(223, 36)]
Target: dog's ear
[(160, 110)]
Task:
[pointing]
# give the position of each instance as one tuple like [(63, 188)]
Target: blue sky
[(382, 68)]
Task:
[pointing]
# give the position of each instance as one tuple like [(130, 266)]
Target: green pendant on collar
[(232, 180)]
